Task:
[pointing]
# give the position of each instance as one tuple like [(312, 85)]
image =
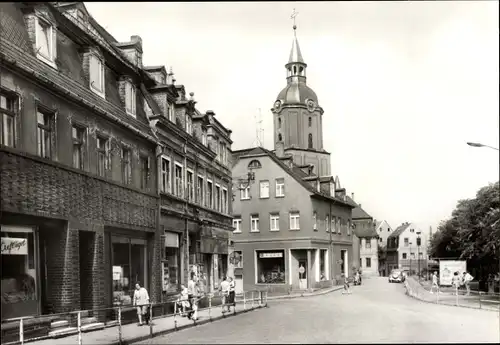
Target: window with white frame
[(264, 189), (189, 124), (237, 225), (130, 98), (217, 198), (327, 223), (45, 133), (209, 194), (96, 73), (294, 221), (204, 137), (225, 206), (165, 175), (274, 222), (44, 39), (315, 221), (254, 223), (78, 136), (8, 113), (102, 155), (199, 190), (368, 243), (126, 165), (280, 187), (190, 184), (178, 190), (244, 192)]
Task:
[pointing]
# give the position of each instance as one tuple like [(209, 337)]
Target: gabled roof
[(399, 230), (378, 224), (293, 172), (358, 212), (362, 232)]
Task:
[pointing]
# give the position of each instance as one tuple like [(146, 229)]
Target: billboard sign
[(448, 267)]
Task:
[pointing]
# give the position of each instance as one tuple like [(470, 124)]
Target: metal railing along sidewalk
[(476, 299), (165, 317)]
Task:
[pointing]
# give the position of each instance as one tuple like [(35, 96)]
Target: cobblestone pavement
[(375, 312)]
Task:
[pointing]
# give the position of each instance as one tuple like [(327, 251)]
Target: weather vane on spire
[(294, 14)]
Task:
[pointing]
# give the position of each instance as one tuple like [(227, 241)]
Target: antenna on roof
[(259, 131)]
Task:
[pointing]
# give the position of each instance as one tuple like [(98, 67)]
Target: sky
[(404, 86)]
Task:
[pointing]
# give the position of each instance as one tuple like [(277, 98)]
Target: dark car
[(396, 276)]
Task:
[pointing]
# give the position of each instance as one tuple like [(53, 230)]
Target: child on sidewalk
[(346, 285)]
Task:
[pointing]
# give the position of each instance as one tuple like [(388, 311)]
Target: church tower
[(298, 124)]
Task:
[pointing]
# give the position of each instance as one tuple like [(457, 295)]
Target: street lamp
[(418, 252), (481, 145), (410, 259)]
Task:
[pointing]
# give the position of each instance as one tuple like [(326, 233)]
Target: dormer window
[(130, 98), (44, 41), (96, 73), (189, 124)]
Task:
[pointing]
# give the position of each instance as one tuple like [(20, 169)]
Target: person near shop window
[(141, 301), (232, 288), (192, 296), (224, 291)]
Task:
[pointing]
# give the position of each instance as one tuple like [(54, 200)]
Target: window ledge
[(280, 196), (49, 62), (99, 93), (275, 230), (254, 231), (245, 198), (294, 229), (264, 197), (237, 232), (131, 114)]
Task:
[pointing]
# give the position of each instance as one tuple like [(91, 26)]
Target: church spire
[(295, 54), (296, 67)]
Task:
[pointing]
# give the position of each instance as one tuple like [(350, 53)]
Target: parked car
[(396, 276)]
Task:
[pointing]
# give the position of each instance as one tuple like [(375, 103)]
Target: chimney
[(132, 50), (352, 196), (280, 149)]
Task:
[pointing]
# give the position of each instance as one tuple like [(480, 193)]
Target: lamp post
[(410, 260), (418, 252)]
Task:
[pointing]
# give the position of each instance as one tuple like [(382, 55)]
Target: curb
[(306, 295), (173, 330)]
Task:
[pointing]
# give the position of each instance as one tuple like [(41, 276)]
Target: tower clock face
[(277, 105), (311, 105)]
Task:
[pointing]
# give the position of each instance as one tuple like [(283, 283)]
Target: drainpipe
[(331, 244), (186, 230)]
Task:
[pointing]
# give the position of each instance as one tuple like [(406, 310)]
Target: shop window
[(271, 267), (129, 258), (19, 284), (171, 263)]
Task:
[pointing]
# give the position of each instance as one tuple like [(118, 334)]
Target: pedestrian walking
[(467, 278), (232, 291), (346, 285), (455, 281), (435, 282), (141, 301), (192, 297), (224, 291)]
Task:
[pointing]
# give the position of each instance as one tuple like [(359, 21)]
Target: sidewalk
[(132, 333), (416, 290)]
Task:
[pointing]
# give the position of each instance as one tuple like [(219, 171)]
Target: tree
[(473, 231)]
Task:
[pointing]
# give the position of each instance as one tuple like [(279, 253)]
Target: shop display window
[(19, 276), (271, 267), (129, 256)]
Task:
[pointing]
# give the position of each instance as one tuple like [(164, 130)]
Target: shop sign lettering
[(14, 246), (270, 255)]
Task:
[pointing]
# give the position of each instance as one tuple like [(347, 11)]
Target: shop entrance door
[(302, 274)]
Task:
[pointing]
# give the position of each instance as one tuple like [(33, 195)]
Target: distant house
[(365, 239), (402, 249), (383, 231)]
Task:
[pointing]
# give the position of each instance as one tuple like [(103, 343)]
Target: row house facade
[(109, 174)]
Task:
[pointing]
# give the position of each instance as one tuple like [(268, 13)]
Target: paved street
[(376, 312)]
